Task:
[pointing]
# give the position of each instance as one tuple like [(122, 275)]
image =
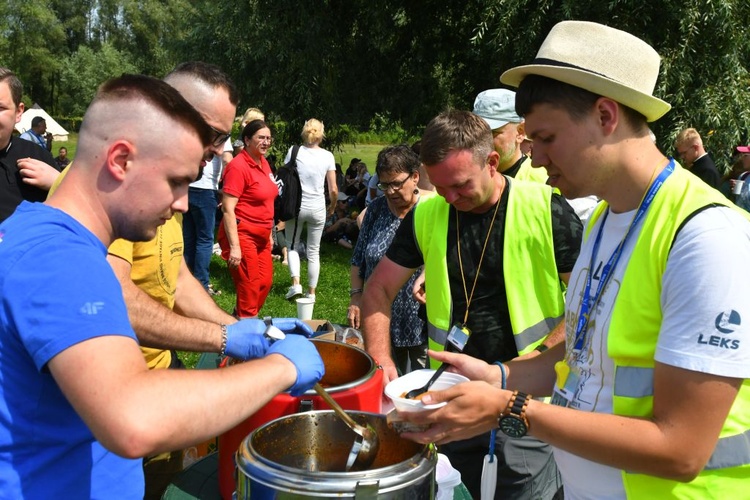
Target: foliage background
[(387, 64)]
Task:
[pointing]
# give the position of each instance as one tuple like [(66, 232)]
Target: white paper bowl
[(415, 379)]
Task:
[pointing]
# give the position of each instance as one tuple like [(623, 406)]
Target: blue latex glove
[(292, 325), (245, 339), (306, 359)]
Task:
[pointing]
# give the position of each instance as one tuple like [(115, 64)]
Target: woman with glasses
[(244, 236), (315, 165), (398, 173)]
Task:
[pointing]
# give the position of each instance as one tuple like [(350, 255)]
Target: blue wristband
[(504, 374)]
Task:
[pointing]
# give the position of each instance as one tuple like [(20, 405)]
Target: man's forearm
[(535, 375), (376, 325), (192, 300), (556, 336), (159, 327)]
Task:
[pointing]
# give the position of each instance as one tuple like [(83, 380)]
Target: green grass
[(368, 153), (71, 144), (331, 295)]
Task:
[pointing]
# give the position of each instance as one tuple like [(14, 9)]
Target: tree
[(704, 48), (393, 62), (35, 47), (346, 61), (85, 70)]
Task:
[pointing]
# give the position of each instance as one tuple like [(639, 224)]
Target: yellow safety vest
[(535, 294), (633, 334), (529, 173)]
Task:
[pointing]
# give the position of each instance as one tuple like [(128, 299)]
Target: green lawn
[(368, 153), (71, 144)]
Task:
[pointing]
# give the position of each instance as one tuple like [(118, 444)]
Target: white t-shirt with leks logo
[(706, 321)]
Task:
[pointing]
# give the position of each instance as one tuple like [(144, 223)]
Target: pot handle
[(367, 490), (305, 405)]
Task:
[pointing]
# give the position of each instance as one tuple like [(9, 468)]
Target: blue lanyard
[(589, 303), (39, 139)]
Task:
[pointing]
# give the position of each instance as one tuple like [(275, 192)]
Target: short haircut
[(208, 73), (313, 131), (252, 127), (577, 102), (689, 135), (396, 159), (16, 87), (455, 130), (37, 120), (160, 95), (62, 148)]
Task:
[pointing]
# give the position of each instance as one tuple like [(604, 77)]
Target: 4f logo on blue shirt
[(726, 323), (92, 308)]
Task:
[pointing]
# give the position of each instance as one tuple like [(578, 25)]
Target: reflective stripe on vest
[(638, 382), (730, 451), (634, 382)]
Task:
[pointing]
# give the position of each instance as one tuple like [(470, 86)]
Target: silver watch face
[(513, 426)]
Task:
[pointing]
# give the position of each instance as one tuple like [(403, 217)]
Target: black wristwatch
[(513, 421)]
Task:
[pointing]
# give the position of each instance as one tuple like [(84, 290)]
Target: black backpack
[(286, 206)]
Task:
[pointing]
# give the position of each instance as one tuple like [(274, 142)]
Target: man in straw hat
[(649, 391)]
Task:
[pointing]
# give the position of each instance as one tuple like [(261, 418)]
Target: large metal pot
[(303, 456), (353, 380)]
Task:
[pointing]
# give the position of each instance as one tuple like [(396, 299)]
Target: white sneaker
[(295, 291), (311, 296)]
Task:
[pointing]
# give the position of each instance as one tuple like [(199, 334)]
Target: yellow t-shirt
[(155, 267)]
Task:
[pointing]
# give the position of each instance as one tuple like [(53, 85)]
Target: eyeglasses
[(219, 137), (396, 185), (265, 138)]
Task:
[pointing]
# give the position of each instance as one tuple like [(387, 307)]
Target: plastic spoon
[(421, 390)]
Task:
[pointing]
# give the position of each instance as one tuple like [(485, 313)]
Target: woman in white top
[(314, 165)]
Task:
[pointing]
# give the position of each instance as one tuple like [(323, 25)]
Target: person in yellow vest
[(650, 392), (168, 308), (498, 108), (496, 253)]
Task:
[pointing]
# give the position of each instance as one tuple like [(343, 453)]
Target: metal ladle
[(365, 447)]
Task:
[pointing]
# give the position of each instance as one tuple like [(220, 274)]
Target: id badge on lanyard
[(566, 384)]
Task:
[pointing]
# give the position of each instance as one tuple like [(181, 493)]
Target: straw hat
[(600, 59)]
